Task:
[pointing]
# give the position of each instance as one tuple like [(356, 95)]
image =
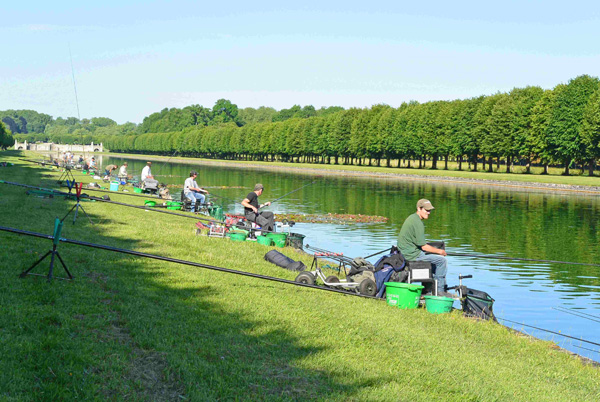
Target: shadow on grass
[(119, 330)]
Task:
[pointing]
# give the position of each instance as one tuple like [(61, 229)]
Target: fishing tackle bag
[(476, 303), (283, 261)]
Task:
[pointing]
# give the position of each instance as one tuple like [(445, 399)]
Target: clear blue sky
[(134, 58)]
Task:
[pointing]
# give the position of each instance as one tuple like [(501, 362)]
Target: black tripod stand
[(58, 224), (77, 206), (66, 175)]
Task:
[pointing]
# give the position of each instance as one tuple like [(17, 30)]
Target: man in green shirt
[(412, 244)]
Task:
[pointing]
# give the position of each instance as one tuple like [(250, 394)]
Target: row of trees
[(31, 126), (557, 126)]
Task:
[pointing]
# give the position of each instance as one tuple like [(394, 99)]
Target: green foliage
[(590, 128), (260, 115), (567, 117), (526, 125), (6, 138), (295, 112)]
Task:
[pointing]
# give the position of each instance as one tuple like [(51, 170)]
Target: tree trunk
[(434, 161), (474, 163), (508, 163), (460, 162), (446, 162), (591, 166), (389, 162), (528, 165), (567, 172), (490, 164)]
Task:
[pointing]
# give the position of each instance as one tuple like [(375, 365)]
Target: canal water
[(470, 219)]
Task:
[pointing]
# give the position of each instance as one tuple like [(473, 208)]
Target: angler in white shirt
[(192, 191)]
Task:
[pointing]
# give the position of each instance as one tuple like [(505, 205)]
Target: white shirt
[(146, 172), (123, 170), (189, 182)]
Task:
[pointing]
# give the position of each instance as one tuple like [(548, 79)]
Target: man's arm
[(246, 203), (433, 250)]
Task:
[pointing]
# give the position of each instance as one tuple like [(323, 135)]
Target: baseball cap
[(423, 203)]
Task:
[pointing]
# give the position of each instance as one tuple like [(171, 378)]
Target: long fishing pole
[(549, 331), (232, 271), (498, 257), (123, 193), (178, 261), (293, 191), (581, 312), (167, 162), (86, 196), (577, 314)]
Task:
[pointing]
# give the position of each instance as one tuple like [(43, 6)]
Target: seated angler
[(412, 244), (123, 172), (192, 191), (265, 219)]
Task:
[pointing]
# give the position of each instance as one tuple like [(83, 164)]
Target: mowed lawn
[(129, 328)]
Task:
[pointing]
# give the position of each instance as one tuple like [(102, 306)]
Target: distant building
[(51, 147)]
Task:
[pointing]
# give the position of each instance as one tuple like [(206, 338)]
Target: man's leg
[(440, 267), (190, 196), (266, 220)]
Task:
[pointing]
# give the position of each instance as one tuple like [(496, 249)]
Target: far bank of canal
[(523, 221)]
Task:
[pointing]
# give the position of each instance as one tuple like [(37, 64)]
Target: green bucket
[(279, 242), (403, 295), (265, 240), (149, 203), (438, 304), (275, 236), (84, 171), (237, 237), (174, 205), (241, 231), (137, 190)]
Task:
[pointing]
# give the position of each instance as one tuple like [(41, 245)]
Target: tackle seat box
[(420, 271)]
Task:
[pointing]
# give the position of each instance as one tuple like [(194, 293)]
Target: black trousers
[(265, 219)]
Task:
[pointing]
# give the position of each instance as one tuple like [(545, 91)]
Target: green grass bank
[(129, 328), (552, 181)]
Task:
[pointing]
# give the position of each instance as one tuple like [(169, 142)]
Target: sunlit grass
[(139, 329)]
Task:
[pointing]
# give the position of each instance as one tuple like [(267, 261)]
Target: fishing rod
[(177, 261), (232, 271), (86, 196), (43, 163), (498, 257), (577, 314), (123, 193), (549, 331), (165, 163), (293, 191), (147, 208)]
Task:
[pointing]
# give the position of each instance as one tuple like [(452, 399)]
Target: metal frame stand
[(78, 205), (58, 224), (66, 174)]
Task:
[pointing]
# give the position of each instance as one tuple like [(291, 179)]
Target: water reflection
[(470, 219)]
